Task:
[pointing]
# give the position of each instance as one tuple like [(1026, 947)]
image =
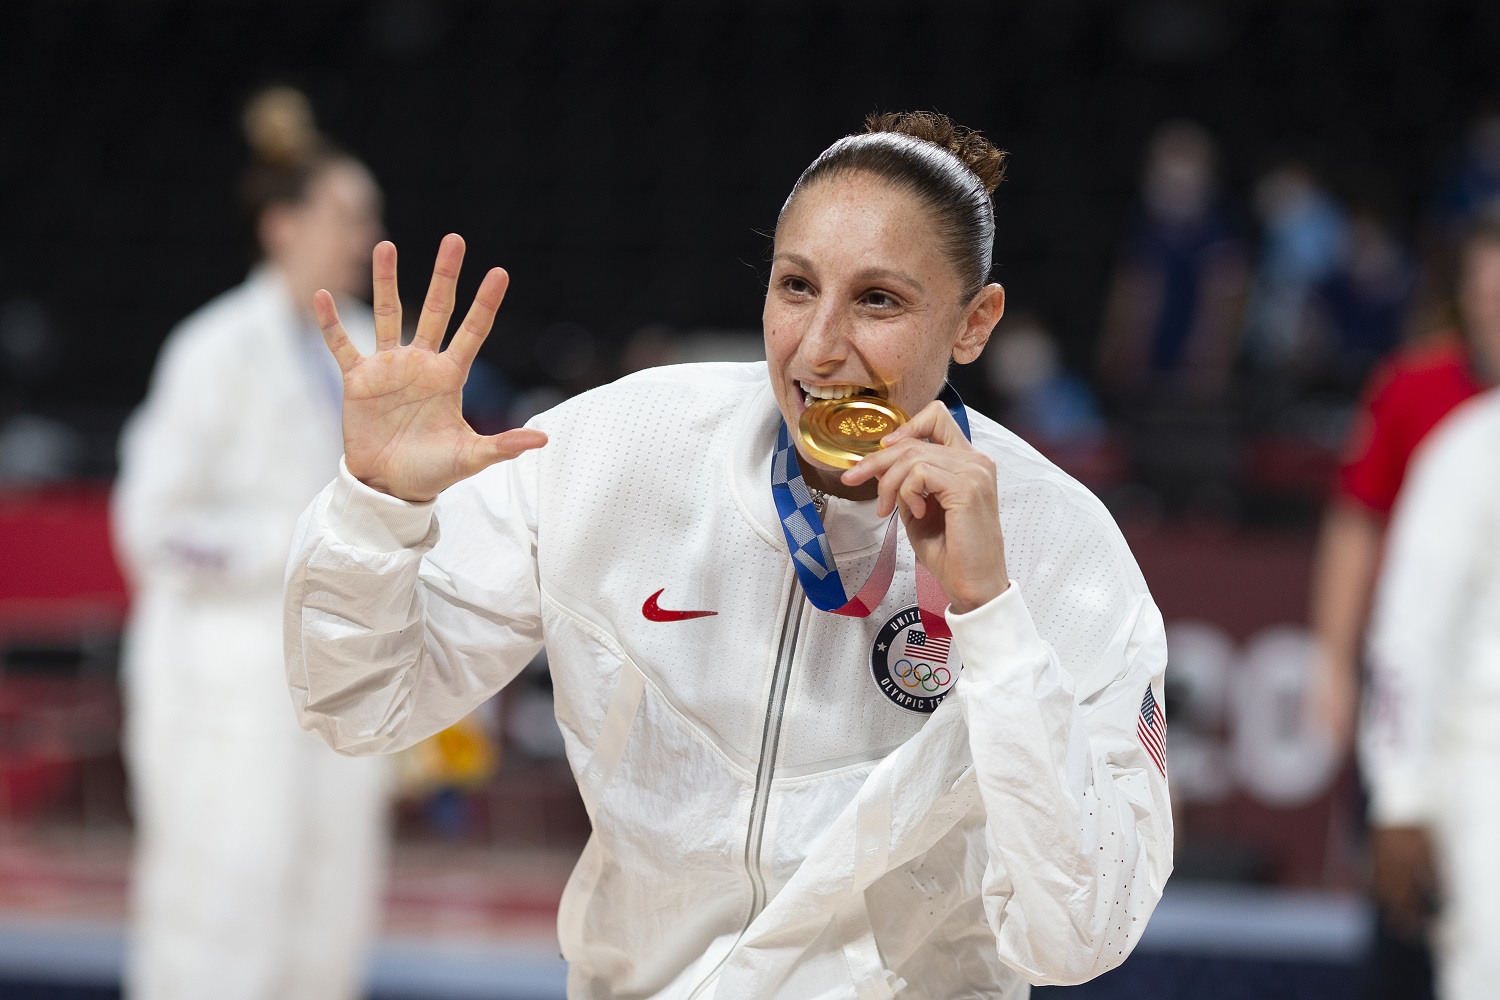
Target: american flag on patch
[(1151, 727), (931, 644)]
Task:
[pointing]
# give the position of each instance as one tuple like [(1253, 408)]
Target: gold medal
[(840, 432)]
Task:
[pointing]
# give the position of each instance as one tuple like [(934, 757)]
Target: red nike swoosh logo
[(656, 613)]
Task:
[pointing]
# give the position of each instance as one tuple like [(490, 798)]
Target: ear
[(984, 311)]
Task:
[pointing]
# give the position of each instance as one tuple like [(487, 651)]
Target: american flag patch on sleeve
[(1151, 727)]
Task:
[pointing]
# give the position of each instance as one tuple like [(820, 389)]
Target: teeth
[(830, 391)]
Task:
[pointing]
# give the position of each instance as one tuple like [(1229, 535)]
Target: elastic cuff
[(368, 519), (1403, 804), (1001, 628)]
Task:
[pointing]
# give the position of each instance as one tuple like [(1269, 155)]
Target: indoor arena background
[(625, 162)]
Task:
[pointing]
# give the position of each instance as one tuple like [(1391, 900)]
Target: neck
[(300, 291), (826, 480)]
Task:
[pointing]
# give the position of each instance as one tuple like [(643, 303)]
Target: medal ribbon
[(812, 557)]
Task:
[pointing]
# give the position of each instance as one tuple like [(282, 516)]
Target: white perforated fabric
[(1011, 829)]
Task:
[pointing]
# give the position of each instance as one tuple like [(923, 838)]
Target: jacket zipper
[(765, 768)]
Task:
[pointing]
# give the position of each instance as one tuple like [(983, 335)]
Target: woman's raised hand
[(404, 431)]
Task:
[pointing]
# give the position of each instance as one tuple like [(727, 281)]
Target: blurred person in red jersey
[(1408, 395), (260, 852), (1404, 400)]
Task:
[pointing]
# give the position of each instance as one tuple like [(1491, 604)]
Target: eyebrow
[(868, 274)]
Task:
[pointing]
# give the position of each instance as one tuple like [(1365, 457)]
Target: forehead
[(859, 216), (347, 182)]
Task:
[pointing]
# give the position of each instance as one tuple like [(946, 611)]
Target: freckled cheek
[(780, 344)]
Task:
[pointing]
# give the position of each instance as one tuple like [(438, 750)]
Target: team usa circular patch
[(913, 669)]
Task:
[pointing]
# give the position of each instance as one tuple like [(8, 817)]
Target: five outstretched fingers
[(437, 308), (334, 334), (387, 297)]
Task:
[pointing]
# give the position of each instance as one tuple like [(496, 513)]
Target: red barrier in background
[(60, 577), (59, 584), (56, 547), (1245, 582), (1242, 581)]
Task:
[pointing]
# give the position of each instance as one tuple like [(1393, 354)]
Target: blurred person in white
[(951, 786), (1430, 732), (260, 852), (1409, 394)]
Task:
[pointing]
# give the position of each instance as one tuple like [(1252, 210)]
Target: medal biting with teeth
[(840, 432)]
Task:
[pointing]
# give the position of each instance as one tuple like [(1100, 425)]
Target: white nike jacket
[(773, 817)]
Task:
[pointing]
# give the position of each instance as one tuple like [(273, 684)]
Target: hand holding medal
[(945, 489)]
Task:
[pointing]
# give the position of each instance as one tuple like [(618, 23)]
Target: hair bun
[(279, 126), (972, 149)]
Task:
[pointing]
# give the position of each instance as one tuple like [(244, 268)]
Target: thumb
[(487, 450)]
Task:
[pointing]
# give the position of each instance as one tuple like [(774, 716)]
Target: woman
[(1427, 740), (785, 802), (259, 850)]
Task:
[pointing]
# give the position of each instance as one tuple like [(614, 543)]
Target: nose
[(825, 342)]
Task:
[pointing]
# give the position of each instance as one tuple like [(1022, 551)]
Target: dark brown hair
[(952, 168)]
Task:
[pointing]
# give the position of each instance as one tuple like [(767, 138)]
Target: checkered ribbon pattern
[(813, 557)]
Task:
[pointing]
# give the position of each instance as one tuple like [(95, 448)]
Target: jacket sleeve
[(1078, 821), (170, 522), (394, 628), (1420, 604)]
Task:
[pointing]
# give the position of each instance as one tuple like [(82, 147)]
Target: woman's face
[(325, 240), (1479, 302), (862, 295)]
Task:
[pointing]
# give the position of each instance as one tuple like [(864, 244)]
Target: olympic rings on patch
[(921, 675)]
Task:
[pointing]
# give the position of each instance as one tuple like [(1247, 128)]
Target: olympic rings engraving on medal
[(866, 424)]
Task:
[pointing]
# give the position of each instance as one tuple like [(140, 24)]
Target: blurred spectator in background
[(1468, 192), (34, 448), (1173, 309), (1033, 394), (1038, 398), (1358, 310), (1302, 244), (1471, 188), (1406, 398), (260, 852), (649, 347), (1428, 741)]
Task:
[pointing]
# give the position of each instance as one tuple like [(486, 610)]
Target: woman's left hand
[(945, 490)]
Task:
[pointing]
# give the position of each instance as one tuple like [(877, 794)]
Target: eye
[(794, 285), (880, 299)]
